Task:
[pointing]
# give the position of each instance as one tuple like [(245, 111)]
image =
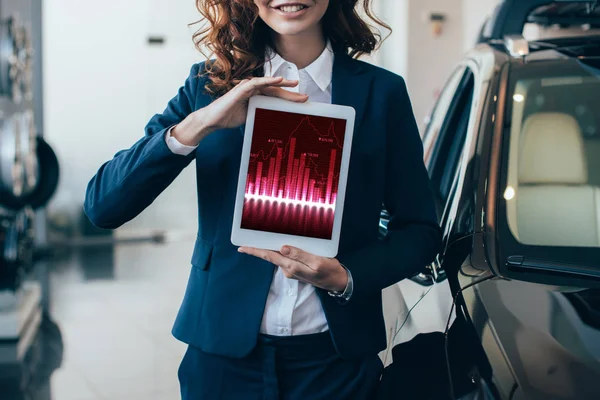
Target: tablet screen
[(293, 174)]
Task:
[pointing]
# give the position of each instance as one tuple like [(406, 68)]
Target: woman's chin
[(292, 28)]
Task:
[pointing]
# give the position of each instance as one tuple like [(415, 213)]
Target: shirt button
[(290, 292)]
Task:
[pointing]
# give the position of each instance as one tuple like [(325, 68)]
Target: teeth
[(291, 9)]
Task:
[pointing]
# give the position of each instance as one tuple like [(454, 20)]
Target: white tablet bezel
[(274, 241)]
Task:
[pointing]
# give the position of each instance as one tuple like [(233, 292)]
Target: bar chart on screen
[(293, 174)]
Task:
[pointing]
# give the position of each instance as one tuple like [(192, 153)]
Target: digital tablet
[(293, 175)]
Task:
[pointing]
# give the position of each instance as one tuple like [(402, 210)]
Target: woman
[(288, 324)]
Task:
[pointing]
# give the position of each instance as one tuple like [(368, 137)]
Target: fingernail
[(240, 250), (285, 251)]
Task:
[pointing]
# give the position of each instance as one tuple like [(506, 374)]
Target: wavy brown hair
[(237, 39)]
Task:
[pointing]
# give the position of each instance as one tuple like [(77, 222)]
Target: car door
[(394, 301), (536, 225), (542, 235), (454, 169), (449, 143)]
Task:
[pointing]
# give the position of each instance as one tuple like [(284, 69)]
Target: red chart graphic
[(293, 174)]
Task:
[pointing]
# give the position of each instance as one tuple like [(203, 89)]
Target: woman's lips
[(291, 10)]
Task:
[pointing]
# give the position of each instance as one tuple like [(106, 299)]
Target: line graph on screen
[(293, 174)]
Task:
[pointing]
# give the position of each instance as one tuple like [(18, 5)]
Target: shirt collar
[(320, 70)]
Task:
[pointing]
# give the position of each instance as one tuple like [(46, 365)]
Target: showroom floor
[(109, 337), (114, 320)]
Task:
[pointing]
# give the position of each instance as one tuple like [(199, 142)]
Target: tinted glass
[(438, 116), (451, 138)]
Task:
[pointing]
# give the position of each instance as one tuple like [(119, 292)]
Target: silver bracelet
[(347, 293)]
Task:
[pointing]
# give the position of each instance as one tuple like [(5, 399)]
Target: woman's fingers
[(271, 86), (259, 83), (291, 268), (284, 94), (302, 256), (265, 85), (285, 83)]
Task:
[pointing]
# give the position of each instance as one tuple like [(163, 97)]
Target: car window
[(438, 115), (553, 173), (448, 147)]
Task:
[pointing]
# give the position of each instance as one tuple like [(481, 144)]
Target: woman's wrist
[(341, 279), (192, 129)]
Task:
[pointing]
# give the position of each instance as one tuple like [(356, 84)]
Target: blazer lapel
[(350, 85)]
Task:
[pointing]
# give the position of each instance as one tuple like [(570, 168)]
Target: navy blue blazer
[(226, 293)]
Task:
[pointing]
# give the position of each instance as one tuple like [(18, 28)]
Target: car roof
[(510, 16), (556, 48), (573, 24)]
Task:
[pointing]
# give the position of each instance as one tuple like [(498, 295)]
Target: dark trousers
[(290, 368)]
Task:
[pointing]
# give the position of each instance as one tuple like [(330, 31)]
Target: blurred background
[(85, 314)]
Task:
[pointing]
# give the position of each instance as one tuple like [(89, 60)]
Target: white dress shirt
[(293, 307)]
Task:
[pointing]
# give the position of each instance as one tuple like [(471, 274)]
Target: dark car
[(513, 152)]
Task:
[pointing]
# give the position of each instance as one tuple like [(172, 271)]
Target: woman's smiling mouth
[(291, 8)]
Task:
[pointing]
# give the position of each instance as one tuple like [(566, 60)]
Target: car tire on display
[(28, 148), (48, 176), (47, 181)]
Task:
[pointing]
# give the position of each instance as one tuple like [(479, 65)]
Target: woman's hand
[(229, 110), (325, 273)]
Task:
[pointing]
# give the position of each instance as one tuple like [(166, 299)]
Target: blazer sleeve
[(124, 186), (414, 236)]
